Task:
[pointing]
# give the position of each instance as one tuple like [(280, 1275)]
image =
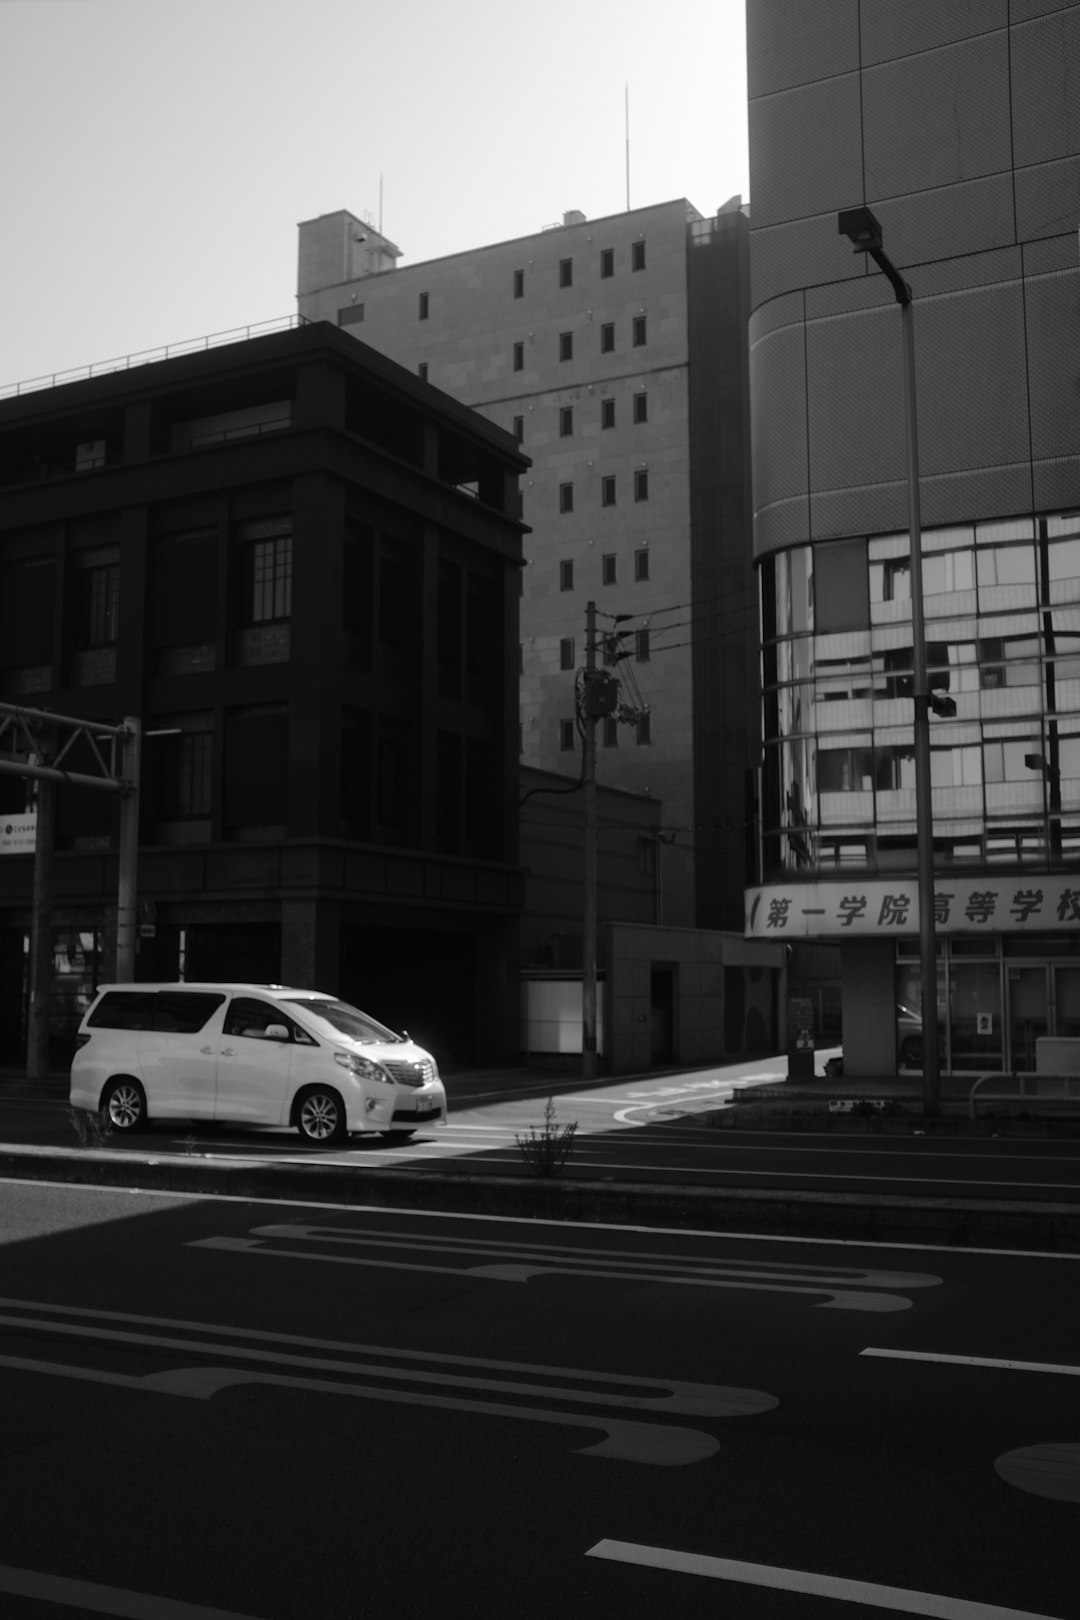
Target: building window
[(644, 728), (422, 370), (566, 735), (608, 568), (519, 283), (519, 429), (566, 497), (566, 345), (641, 565), (351, 315), (607, 490), (424, 306), (607, 338), (184, 775), (637, 255), (566, 574), (607, 263), (638, 337), (611, 731), (566, 652), (641, 646), (519, 357), (641, 484), (268, 598), (566, 272), (566, 421), (641, 407), (607, 413), (97, 602)]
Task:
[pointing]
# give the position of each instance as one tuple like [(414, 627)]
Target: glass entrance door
[(1066, 1000), (1028, 1013)]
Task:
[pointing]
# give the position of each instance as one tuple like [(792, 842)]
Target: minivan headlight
[(364, 1068)]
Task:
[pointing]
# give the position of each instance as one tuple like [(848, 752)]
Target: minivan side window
[(249, 1017), (124, 1009), (185, 1011)]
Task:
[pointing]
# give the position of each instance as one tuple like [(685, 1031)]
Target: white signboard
[(1013, 904), (18, 834)]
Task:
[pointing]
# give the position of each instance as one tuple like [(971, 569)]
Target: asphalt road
[(644, 1130), (294, 1412)]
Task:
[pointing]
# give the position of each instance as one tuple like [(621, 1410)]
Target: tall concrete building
[(958, 126), (614, 350)]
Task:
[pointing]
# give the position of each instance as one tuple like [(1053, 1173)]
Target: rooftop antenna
[(380, 202), (626, 108)]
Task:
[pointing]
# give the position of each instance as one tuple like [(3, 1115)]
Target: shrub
[(545, 1151)]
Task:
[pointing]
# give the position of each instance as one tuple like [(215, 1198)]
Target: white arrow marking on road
[(837, 1587), (521, 1262), (661, 1444)]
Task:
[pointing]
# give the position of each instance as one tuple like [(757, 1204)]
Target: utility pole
[(588, 944)]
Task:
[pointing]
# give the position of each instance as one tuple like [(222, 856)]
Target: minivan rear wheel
[(320, 1117), (123, 1105)]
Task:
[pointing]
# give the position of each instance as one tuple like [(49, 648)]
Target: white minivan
[(252, 1054)]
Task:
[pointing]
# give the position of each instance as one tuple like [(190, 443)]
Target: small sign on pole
[(800, 1037), (18, 834)]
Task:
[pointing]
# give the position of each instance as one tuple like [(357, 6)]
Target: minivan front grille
[(407, 1073)]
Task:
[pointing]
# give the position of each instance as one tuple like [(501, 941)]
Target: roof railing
[(146, 357)]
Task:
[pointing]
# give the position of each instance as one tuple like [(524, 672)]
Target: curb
[(952, 1222)]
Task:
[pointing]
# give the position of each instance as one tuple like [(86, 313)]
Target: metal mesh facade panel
[(938, 118), (1047, 199), (802, 176), (971, 369), (789, 42), (1053, 323), (800, 255), (1046, 107), (892, 28), (778, 428), (972, 217), (855, 390)]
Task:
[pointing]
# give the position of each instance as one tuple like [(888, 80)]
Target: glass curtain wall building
[(947, 124)]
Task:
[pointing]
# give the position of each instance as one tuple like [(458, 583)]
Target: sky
[(156, 156)]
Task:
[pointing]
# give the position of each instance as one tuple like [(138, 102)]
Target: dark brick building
[(299, 565)]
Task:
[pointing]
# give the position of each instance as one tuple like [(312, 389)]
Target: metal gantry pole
[(126, 917), (588, 942)]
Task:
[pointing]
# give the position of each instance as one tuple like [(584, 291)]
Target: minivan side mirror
[(276, 1032)]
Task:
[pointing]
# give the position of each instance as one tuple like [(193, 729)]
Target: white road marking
[(836, 1587), (90, 1597), (976, 1361), (660, 1444), (1051, 1470), (845, 1288)]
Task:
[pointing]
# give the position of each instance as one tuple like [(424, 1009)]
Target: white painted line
[(342, 1207), (976, 1361), (836, 1587), (94, 1599)]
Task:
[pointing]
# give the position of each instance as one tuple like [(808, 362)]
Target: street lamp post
[(863, 231)]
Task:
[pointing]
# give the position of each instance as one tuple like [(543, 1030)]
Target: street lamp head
[(861, 229)]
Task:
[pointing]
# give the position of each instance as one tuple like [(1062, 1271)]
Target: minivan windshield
[(339, 1018)]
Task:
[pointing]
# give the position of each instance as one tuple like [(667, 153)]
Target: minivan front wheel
[(123, 1105), (320, 1117)]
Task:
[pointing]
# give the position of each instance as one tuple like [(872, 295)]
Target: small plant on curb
[(91, 1130), (545, 1151)]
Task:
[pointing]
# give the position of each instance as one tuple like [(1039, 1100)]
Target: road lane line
[(96, 1599), (836, 1587), (976, 1361), (405, 1212)]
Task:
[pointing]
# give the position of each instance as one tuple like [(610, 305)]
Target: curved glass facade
[(1002, 608)]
